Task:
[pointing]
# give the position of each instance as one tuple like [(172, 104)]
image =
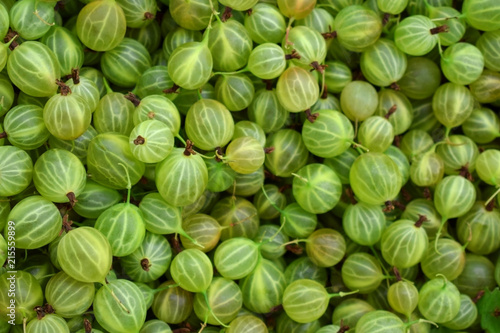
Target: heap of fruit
[(249, 166)]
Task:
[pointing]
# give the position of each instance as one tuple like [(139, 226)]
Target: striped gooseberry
[(138, 13), (417, 35), (359, 100), (357, 27), (482, 14), (125, 63), (66, 115), (69, 297), (34, 69), (304, 268), (150, 260), (245, 155), (209, 124), (306, 292), (383, 63), (106, 152), (31, 19), (364, 223), (235, 91), (482, 126), (297, 89), (439, 300), (224, 302), (229, 44), (85, 255), (462, 63), (29, 294), (375, 178), (151, 141), (263, 288), (447, 259), (66, 47), (16, 170), (237, 216), (404, 243), (317, 188), (37, 222), (59, 176), (329, 135), (289, 154), (181, 177), (126, 316), (102, 18), (266, 110), (192, 15), (272, 31), (362, 272)]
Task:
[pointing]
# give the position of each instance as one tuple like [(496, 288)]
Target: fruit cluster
[(246, 166)]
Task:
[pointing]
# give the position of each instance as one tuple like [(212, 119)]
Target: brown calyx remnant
[(385, 19), (173, 90), (464, 172), (317, 67), (427, 193), (395, 86), (397, 274), (10, 37), (274, 309), (219, 154), (389, 207), (324, 95), (311, 116), (87, 325), (175, 244), (490, 206), (478, 296), (269, 84), (440, 29), (148, 16), (75, 75), (145, 264), (343, 328), (228, 13), (249, 12), (406, 195), (397, 141), (350, 194), (182, 330), (293, 55), (330, 34), (269, 175), (3, 135), (496, 313), (39, 312), (72, 199), (65, 90), (294, 248), (48, 309), (421, 220), (133, 98), (391, 111), (139, 140), (268, 150), (284, 188), (398, 205), (189, 148), (59, 6), (66, 224)]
